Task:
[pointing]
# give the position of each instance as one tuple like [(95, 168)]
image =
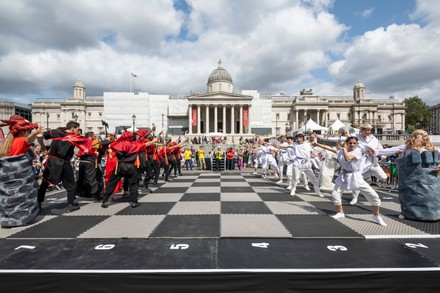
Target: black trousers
[(130, 175), (67, 177), (87, 183), (152, 171), (166, 168)]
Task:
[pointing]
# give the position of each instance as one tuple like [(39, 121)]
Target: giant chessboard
[(222, 205)]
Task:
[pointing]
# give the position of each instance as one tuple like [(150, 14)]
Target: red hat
[(141, 132), (127, 135), (18, 124)]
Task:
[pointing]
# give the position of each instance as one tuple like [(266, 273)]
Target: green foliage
[(417, 114)]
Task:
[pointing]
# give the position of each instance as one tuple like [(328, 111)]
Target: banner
[(245, 117), (194, 117)]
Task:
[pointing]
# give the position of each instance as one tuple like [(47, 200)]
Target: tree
[(417, 114)]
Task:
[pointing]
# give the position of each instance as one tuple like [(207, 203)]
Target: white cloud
[(398, 60), (267, 45)]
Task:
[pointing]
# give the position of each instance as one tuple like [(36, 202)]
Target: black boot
[(72, 207), (105, 204)]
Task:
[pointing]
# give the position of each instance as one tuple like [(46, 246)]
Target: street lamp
[(162, 121), (285, 127), (134, 119), (277, 116), (75, 117), (47, 120)]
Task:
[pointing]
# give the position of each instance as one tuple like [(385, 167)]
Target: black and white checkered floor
[(221, 205)]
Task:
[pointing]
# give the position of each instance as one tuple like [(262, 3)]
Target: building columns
[(241, 119), (224, 119), (207, 119), (190, 119), (198, 119), (215, 119), (232, 120)]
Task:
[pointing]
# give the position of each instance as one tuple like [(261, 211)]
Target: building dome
[(219, 74), (220, 80), (79, 90), (79, 83), (359, 85)]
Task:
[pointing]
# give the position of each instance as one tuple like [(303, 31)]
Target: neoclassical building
[(220, 110), (87, 110)]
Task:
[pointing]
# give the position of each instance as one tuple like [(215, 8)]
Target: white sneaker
[(255, 173), (320, 194), (338, 216), (276, 175), (292, 193), (354, 201), (289, 187), (379, 220), (307, 187), (280, 182)]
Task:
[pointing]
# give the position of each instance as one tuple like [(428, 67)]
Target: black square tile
[(61, 227), (202, 184), (232, 180), (235, 189), (262, 184), (428, 227), (148, 208), (330, 209), (171, 190), (316, 226), (182, 180), (248, 207), (200, 197), (278, 196), (188, 226), (210, 177)]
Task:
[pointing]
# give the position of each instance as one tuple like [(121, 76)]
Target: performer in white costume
[(268, 158), (349, 156), (299, 161), (369, 165)]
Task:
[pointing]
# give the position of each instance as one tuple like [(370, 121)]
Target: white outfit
[(268, 159), (369, 164), (351, 178), (327, 171), (299, 161)]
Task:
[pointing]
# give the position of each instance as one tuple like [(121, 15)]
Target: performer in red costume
[(58, 167), (127, 150)]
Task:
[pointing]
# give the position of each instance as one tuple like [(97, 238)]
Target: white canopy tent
[(336, 126), (313, 126)]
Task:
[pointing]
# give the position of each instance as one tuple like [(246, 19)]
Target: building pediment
[(219, 97)]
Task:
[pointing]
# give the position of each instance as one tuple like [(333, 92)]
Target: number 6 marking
[(105, 247)]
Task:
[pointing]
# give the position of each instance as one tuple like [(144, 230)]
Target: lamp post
[(305, 123), (47, 120), (285, 127), (134, 124), (277, 116), (75, 117), (162, 121)]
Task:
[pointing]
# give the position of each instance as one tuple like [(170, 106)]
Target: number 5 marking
[(179, 246)]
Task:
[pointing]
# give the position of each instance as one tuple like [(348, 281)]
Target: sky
[(273, 46)]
